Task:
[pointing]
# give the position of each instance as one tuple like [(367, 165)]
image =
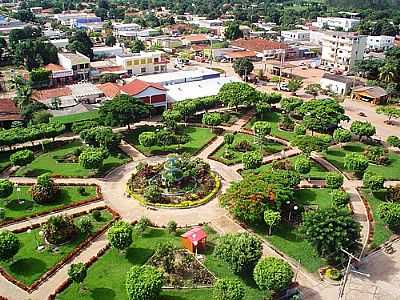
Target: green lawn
[(269, 147), (390, 172), (68, 194), (273, 118), (68, 119), (199, 137), (5, 160), (290, 241), (317, 171), (47, 163), (381, 232), (29, 264), (105, 283)]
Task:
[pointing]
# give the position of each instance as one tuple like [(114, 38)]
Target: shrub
[(334, 180), (355, 162), (228, 138), (96, 214), (342, 135), (302, 164), (22, 157), (252, 159), (273, 274), (59, 229), (82, 191), (228, 289), (390, 213), (172, 226), (373, 182), (77, 272), (243, 146), (286, 123), (212, 119), (333, 274), (340, 198), (144, 283), (393, 193), (147, 139), (6, 188), (92, 158), (120, 235), (142, 225), (78, 127), (300, 129), (376, 155), (45, 190), (9, 245), (152, 193), (393, 141), (2, 214), (240, 251), (85, 225)]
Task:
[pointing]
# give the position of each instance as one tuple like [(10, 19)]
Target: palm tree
[(387, 72)]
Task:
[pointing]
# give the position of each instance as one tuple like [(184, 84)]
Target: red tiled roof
[(53, 67), (199, 47), (258, 45), (195, 234), (179, 27), (137, 86), (196, 37), (51, 93), (9, 111), (240, 54), (110, 89), (110, 69)]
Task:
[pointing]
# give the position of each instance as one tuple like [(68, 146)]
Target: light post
[(195, 243), (18, 189)]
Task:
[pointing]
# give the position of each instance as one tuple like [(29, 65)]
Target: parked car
[(283, 86)]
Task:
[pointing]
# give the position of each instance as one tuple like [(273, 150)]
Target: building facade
[(295, 35), (334, 23), (380, 43), (340, 50), (77, 62), (142, 63)]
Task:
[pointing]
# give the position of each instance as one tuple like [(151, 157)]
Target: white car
[(283, 87)]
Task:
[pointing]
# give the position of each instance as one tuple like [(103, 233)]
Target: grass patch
[(105, 283), (5, 160), (336, 156), (69, 119), (273, 118), (381, 232), (16, 209), (47, 163), (199, 138), (269, 147), (29, 264)]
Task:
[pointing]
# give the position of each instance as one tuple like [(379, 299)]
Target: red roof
[(110, 89), (196, 37), (137, 86), (54, 67), (258, 45), (240, 54), (9, 111), (195, 234), (51, 93)]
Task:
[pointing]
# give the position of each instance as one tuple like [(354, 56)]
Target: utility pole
[(346, 273)]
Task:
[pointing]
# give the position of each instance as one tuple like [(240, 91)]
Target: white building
[(60, 43), (125, 27), (340, 85), (333, 23), (295, 35), (340, 50), (209, 23), (77, 62), (380, 43), (142, 63), (68, 19), (102, 52)]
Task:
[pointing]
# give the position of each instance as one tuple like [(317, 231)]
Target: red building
[(9, 113), (150, 93), (194, 240)]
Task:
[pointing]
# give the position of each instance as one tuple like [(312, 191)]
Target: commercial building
[(118, 27), (265, 49), (334, 23), (77, 62), (380, 43), (340, 50), (142, 63), (68, 19), (151, 93), (295, 35)]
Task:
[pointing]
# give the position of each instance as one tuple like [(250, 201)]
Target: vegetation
[(273, 274)]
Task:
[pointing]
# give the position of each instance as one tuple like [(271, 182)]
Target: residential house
[(151, 93), (340, 85), (195, 39), (77, 62), (295, 35), (265, 49), (59, 75), (9, 113)]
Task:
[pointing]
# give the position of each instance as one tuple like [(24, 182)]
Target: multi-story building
[(333, 23), (295, 35), (380, 43), (77, 62), (142, 63), (340, 50)]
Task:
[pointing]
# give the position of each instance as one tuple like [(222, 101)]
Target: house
[(110, 89), (68, 19), (88, 22), (234, 55), (151, 93), (77, 62), (340, 85), (118, 27), (142, 63), (333, 23), (380, 43), (194, 240), (295, 35), (373, 94), (86, 92), (59, 75), (106, 66), (265, 49), (177, 29), (60, 43), (9, 113), (7, 24), (340, 50), (195, 39)]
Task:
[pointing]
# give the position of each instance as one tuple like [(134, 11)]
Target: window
[(129, 63), (143, 70), (156, 68), (136, 62), (143, 61), (156, 60), (149, 60)]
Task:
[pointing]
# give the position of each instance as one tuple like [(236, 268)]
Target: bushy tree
[(341, 135), (22, 157), (273, 274), (243, 67), (120, 235), (45, 190), (393, 141), (59, 229), (85, 225), (299, 130), (240, 251), (9, 245), (171, 118), (148, 139), (340, 198), (252, 159), (152, 193), (389, 212), (6, 188), (144, 283), (373, 181), (212, 119), (362, 129), (289, 105), (101, 137), (229, 138), (356, 162), (294, 85), (172, 226), (232, 31), (271, 218), (228, 289), (234, 94), (77, 273), (92, 158), (302, 164), (261, 130), (329, 230), (334, 180)]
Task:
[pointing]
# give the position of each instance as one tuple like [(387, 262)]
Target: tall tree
[(232, 31), (81, 42), (243, 67)]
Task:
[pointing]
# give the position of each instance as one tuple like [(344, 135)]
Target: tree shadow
[(138, 256), (102, 294), (15, 205), (28, 266)]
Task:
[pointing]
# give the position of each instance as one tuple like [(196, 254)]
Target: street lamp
[(295, 208), (195, 243)]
